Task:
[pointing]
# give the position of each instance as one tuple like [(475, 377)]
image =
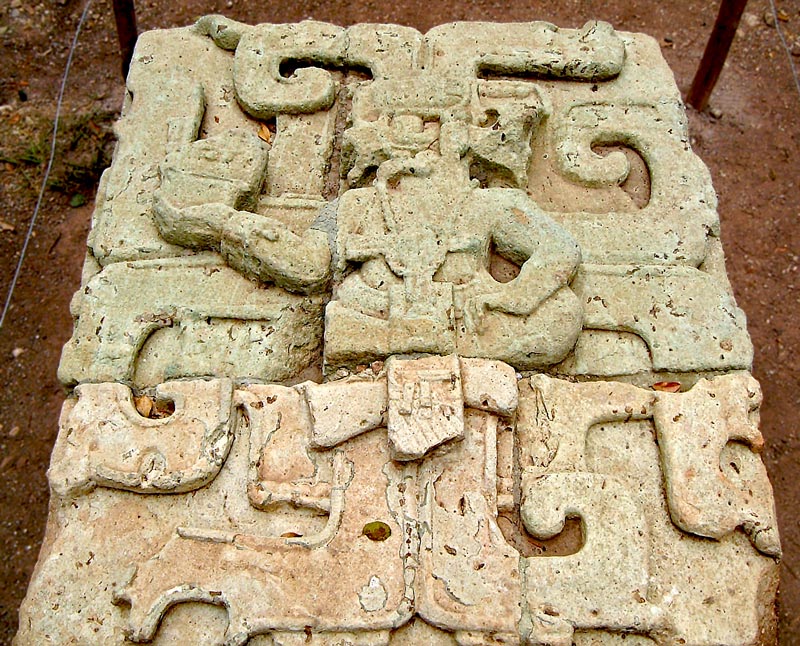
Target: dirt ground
[(749, 140)]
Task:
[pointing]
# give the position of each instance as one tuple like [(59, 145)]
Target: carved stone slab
[(398, 338)]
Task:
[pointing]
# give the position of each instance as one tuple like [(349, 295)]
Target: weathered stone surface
[(715, 480), (421, 283), (217, 323), (610, 433), (107, 442), (206, 187), (426, 405), (368, 347), (687, 322)]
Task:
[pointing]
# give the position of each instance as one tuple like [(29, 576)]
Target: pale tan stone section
[(426, 405), (606, 433), (106, 442), (333, 520), (715, 479)]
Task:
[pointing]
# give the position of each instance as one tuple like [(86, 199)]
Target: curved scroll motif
[(264, 91), (105, 442), (673, 227), (600, 586), (261, 88), (567, 433)]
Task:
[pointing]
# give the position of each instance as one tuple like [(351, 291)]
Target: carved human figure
[(418, 245), (207, 200)]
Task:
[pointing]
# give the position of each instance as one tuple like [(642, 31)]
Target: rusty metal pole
[(125, 17), (719, 43)]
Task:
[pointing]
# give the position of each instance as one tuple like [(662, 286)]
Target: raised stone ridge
[(392, 338)]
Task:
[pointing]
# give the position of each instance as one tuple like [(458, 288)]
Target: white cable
[(785, 46), (49, 165)]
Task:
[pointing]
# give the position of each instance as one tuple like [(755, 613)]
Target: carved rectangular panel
[(398, 338)]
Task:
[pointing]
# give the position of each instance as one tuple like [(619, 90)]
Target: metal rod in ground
[(730, 12), (125, 17)]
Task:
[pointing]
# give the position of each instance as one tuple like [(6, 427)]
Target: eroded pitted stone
[(107, 442), (216, 323), (714, 478), (611, 434), (340, 253)]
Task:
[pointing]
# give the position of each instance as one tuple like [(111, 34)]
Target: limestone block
[(104, 441), (604, 585), (288, 515), (673, 226), (283, 471), (607, 353), (355, 260), (594, 52), (469, 578), (343, 409), (300, 154), (489, 385)]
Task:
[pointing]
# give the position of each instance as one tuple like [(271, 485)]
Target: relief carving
[(419, 278), (106, 442), (715, 479), (207, 191), (446, 535), (409, 318)]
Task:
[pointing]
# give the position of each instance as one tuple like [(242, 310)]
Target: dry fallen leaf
[(264, 133), (5, 226), (162, 408), (153, 408), (144, 405), (667, 386)]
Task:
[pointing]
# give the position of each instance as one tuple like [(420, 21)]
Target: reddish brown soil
[(752, 150)]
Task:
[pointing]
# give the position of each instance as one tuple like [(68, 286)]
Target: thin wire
[(785, 46), (49, 165)]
